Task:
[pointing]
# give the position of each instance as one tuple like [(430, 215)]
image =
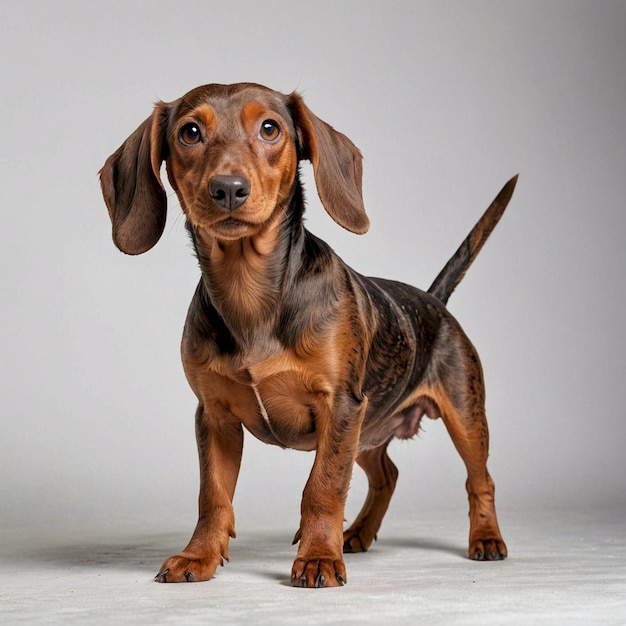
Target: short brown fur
[(282, 337)]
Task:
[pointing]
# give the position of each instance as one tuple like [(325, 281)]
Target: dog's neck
[(244, 279)]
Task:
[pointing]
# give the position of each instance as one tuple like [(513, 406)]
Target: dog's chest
[(277, 399), (285, 411)]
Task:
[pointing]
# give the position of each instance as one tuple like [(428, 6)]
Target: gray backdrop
[(446, 100)]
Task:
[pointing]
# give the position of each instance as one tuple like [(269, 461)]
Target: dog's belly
[(287, 409), (402, 425)]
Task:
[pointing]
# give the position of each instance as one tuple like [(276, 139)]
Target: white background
[(446, 100)]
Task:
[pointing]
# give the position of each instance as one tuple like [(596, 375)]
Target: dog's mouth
[(231, 222), (231, 228)]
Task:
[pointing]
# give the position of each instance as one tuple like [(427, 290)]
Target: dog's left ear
[(337, 165)]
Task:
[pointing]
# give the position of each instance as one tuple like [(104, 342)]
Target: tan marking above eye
[(197, 125), (262, 122)]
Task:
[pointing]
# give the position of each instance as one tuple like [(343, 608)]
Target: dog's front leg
[(220, 444), (319, 561)]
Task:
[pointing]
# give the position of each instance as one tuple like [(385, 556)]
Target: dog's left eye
[(190, 134), (270, 131)]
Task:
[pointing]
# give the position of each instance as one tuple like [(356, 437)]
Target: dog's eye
[(270, 131), (190, 134)]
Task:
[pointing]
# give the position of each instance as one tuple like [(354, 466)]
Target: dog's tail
[(452, 274)]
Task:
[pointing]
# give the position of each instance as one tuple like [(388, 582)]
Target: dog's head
[(232, 154)]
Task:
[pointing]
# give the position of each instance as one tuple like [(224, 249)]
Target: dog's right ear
[(132, 188)]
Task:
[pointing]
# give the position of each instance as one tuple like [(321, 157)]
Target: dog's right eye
[(190, 134)]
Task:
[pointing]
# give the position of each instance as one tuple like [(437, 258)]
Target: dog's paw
[(487, 549), (182, 569), (318, 573), (357, 540)]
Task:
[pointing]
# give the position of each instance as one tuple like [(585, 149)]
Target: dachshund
[(282, 338)]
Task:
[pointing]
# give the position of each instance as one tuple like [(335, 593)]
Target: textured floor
[(564, 568)]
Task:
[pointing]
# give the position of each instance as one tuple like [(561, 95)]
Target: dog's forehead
[(230, 99)]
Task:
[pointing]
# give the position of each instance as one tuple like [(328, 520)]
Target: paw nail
[(341, 580), (190, 577), (321, 581), (161, 576)]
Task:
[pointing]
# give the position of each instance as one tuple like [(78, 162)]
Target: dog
[(282, 338)]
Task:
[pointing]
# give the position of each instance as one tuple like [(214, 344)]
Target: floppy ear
[(337, 165), (132, 187)]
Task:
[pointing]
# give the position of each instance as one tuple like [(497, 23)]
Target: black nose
[(229, 192)]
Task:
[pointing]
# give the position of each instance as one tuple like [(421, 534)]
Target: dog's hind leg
[(471, 439), (382, 475), (466, 423)]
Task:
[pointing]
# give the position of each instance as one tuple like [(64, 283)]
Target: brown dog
[(284, 338)]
